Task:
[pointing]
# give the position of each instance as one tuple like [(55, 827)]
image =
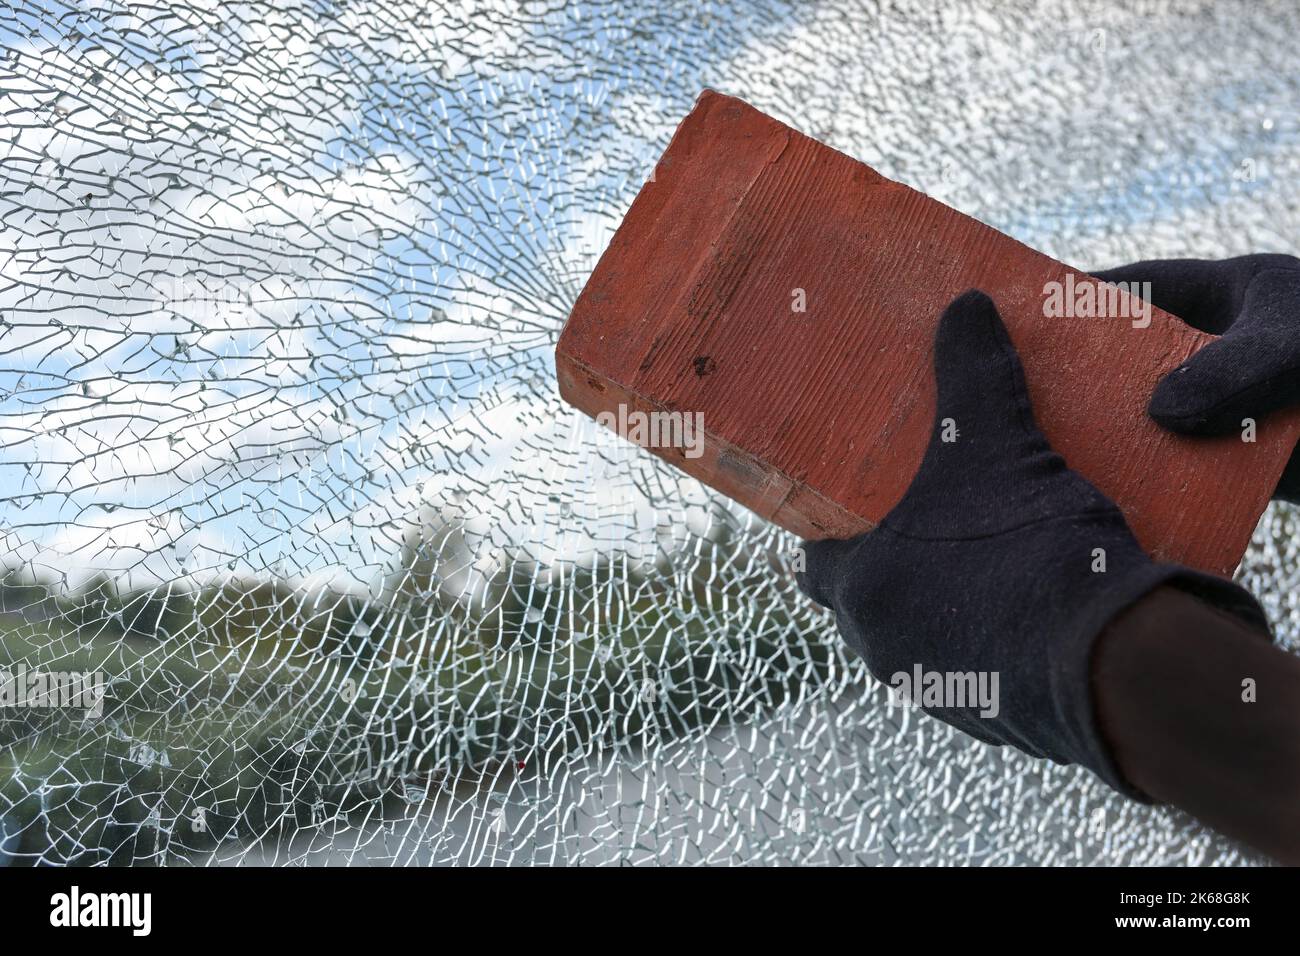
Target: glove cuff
[(1071, 672)]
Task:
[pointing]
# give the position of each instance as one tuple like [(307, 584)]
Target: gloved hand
[(1254, 369), (992, 561)]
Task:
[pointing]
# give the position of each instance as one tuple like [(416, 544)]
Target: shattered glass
[(281, 454)]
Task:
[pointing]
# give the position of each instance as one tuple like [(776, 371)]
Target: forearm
[(1168, 684)]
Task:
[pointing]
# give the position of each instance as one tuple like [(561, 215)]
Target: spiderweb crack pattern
[(281, 455)]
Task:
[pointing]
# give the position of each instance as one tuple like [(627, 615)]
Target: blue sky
[(297, 279)]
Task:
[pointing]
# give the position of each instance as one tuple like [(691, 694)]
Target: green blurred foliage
[(264, 706)]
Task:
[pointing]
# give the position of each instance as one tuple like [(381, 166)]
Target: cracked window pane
[(282, 459)]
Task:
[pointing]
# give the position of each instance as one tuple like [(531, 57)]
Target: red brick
[(817, 421)]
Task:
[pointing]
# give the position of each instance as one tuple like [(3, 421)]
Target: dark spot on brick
[(704, 366)]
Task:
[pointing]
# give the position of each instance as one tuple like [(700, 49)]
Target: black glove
[(992, 561), (1254, 369)]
